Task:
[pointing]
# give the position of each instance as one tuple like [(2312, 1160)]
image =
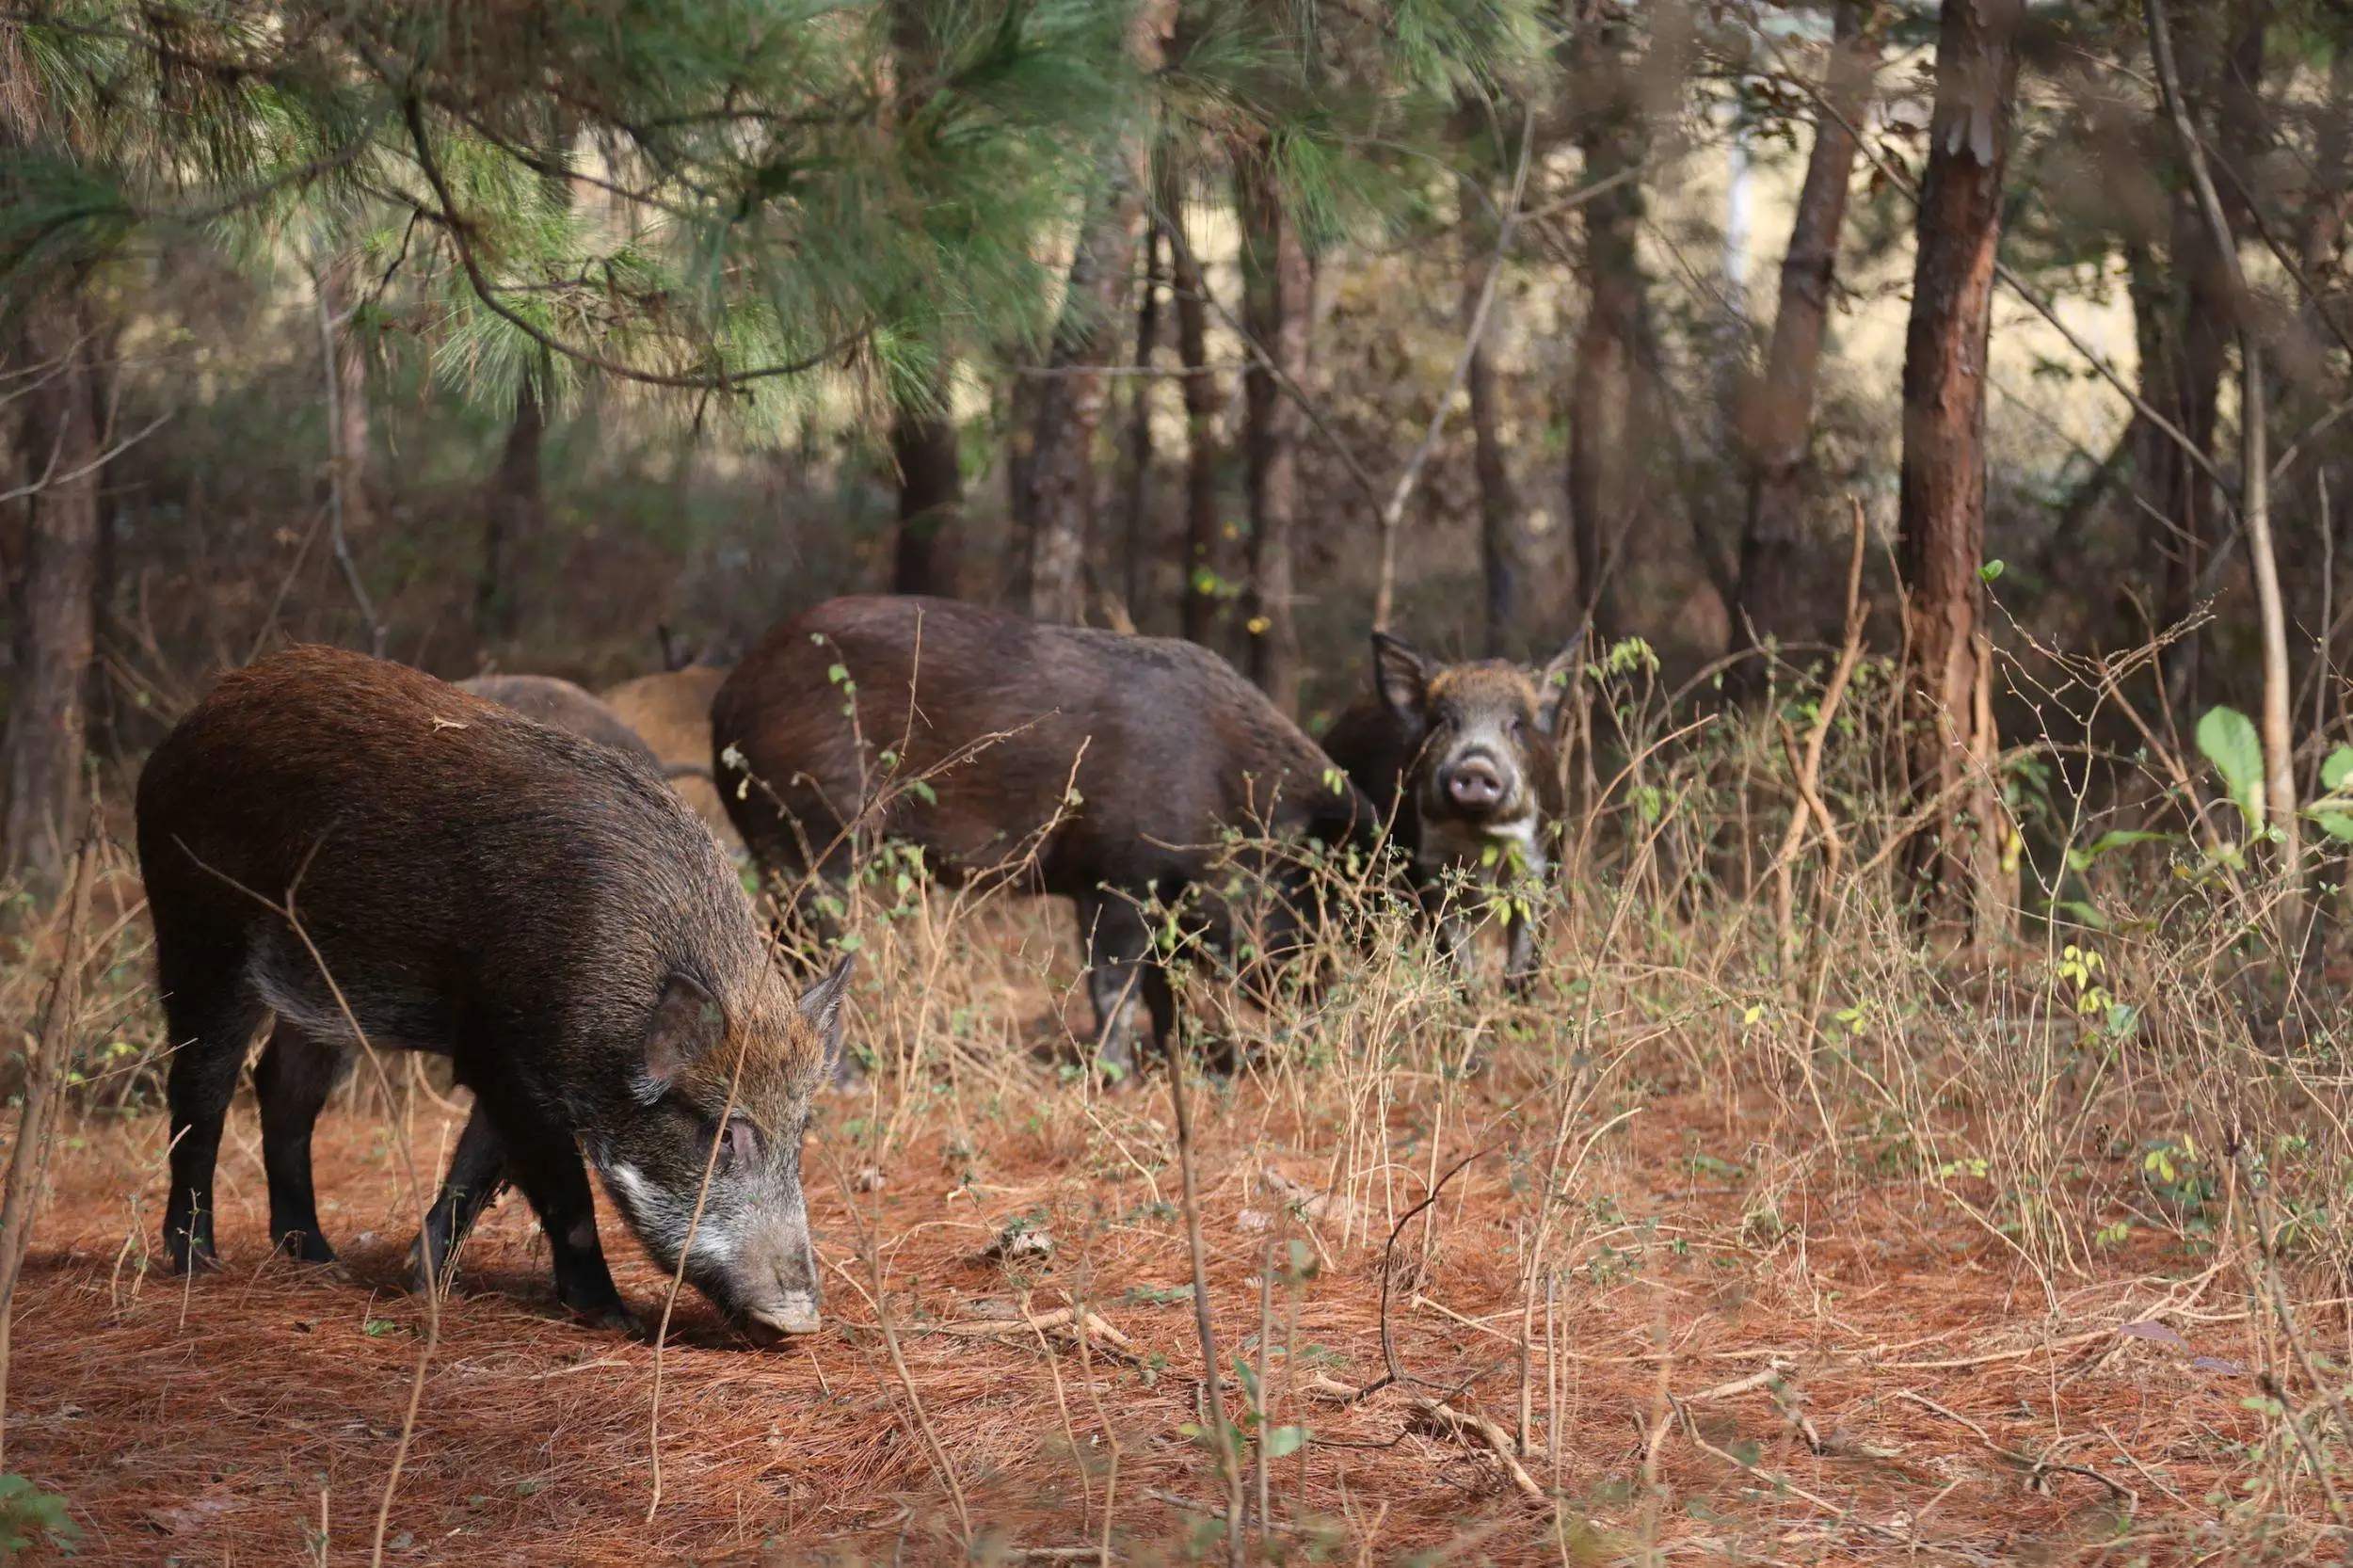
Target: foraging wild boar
[(671, 712), (540, 909), (1101, 767), (1460, 760), (565, 707)]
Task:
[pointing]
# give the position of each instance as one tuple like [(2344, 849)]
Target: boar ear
[(820, 1004), (686, 1022), (1400, 673), (1552, 689)]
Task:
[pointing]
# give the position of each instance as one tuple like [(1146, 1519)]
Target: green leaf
[(1989, 572), (2228, 739), (2081, 858), (2335, 824), (1286, 1440), (2336, 768)]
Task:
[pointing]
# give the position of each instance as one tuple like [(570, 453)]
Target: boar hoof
[(307, 1247), (605, 1313), (193, 1259), (616, 1320)]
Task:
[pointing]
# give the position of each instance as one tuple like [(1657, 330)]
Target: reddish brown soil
[(223, 1421)]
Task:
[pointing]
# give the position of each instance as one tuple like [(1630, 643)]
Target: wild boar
[(1460, 761), (1100, 767), (565, 707), (357, 849), (671, 711)]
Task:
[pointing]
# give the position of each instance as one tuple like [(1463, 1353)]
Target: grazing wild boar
[(565, 707), (1100, 767), (671, 711), (1460, 760), (538, 908)]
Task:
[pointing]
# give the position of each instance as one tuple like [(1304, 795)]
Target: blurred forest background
[(577, 337)]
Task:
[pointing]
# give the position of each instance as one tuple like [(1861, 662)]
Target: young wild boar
[(1460, 760), (565, 707), (1100, 767), (536, 908), (671, 711)]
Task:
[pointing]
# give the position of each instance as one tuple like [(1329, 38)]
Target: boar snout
[(1476, 784)]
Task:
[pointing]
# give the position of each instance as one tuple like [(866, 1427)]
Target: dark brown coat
[(1104, 768), (1461, 763), (539, 908), (565, 707)]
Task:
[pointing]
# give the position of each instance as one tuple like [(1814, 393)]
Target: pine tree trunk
[(1203, 560), (47, 723), (1941, 527), (1498, 501), (1276, 310), (1604, 482), (1062, 489), (340, 285), (1778, 417), (515, 505), (923, 446), (1137, 503)]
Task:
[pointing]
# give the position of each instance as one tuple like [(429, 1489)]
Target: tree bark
[(1063, 489), (516, 507), (47, 723), (1604, 478), (1958, 856), (924, 447), (338, 286), (1204, 561), (1276, 312), (1499, 500), (1137, 503), (1068, 400), (2277, 737), (1777, 416)]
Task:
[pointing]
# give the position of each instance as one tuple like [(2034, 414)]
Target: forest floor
[(1742, 1351)]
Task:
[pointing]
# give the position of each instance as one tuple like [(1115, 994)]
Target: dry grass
[(1934, 1266)]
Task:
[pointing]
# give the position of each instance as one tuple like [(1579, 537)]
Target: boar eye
[(740, 1146)]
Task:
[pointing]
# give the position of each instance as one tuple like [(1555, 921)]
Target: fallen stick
[(1062, 1319), (1475, 1431), (2037, 1469)]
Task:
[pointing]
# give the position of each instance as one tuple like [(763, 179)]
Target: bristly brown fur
[(477, 885)]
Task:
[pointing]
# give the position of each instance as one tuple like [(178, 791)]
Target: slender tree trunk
[(2203, 305), (1203, 560), (924, 447), (1777, 418), (515, 505), (1605, 479), (1277, 307), (1061, 484), (1138, 501), (1499, 500), (2254, 466), (1941, 528), (1067, 403), (339, 287), (47, 722)]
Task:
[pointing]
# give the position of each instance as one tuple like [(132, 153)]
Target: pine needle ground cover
[(1968, 1278)]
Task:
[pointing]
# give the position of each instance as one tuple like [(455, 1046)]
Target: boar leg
[(292, 1082), (1443, 905), (214, 1020), (1117, 944), (543, 1159), (476, 1173), (1519, 964)]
